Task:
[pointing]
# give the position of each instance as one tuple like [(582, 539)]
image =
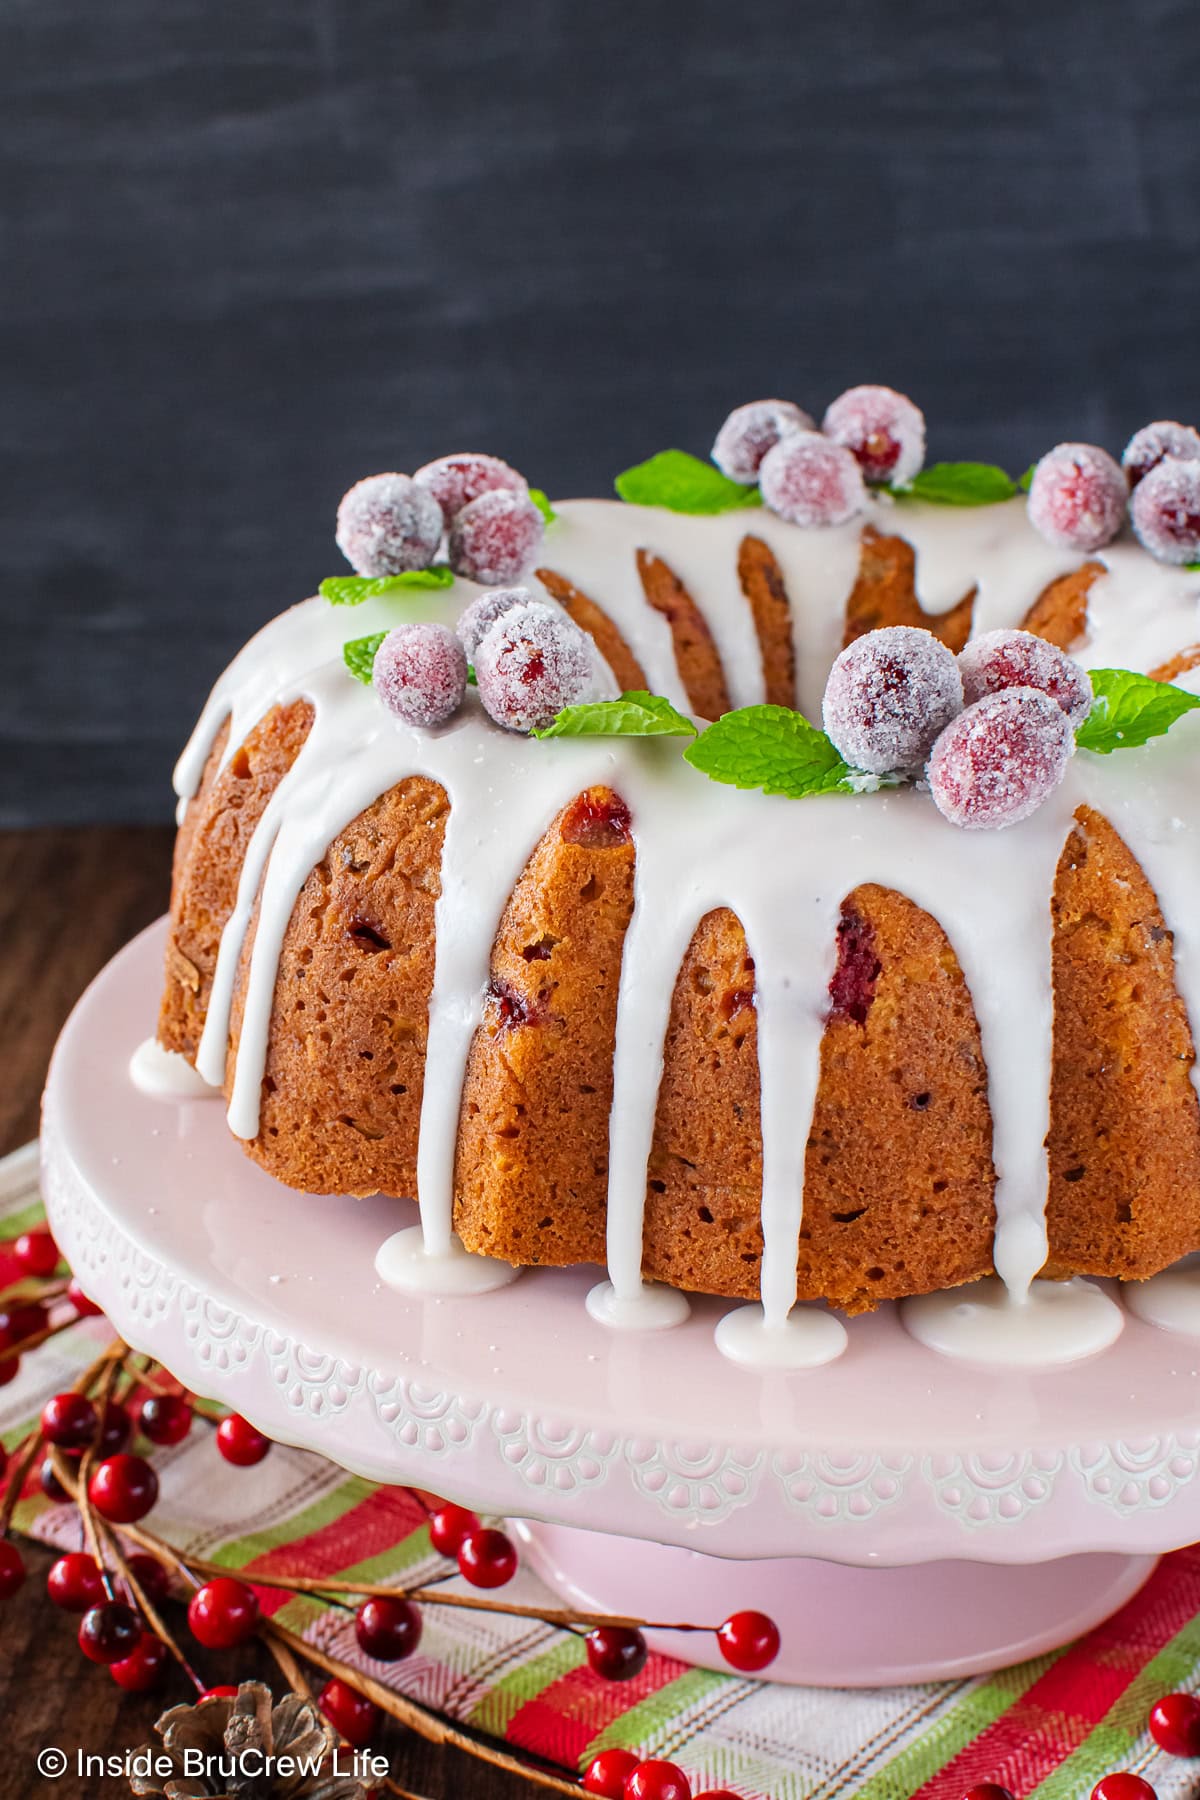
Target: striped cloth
[(1048, 1728)]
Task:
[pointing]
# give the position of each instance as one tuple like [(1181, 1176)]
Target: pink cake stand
[(902, 1517)]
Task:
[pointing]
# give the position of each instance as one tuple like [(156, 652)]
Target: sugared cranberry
[(350, 1713), (477, 620), (487, 1558), (448, 1526), (36, 1253), (240, 1442), (73, 1582), (1166, 511), (988, 1790), (750, 431), (1123, 1786), (387, 524), (144, 1668), (1175, 1724), (165, 1418), (532, 663), (1077, 497), (387, 1629), (223, 1613), (496, 538), (883, 431), (748, 1641), (810, 480), (1149, 446), (1000, 759), (655, 1780), (420, 673), (12, 1569), (606, 1773), (20, 1321), (69, 1421), (454, 481), (888, 696), (86, 1309), (616, 1652), (109, 1632), (123, 1489), (150, 1576), (1004, 659)]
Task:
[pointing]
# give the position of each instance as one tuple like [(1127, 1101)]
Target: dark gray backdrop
[(253, 249)]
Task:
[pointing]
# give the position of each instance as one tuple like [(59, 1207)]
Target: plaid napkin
[(1050, 1727)]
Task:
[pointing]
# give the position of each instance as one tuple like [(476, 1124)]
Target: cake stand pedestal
[(902, 1516)]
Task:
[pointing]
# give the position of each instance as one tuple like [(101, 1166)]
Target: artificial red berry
[(656, 1780), (717, 1794), (21, 1321), (1165, 508), (810, 480), (12, 1569), (750, 431), (1153, 443), (240, 1442), (487, 1558), (69, 1421), (454, 481), (1123, 1786), (1000, 759), (109, 1632), (165, 1418), (1077, 497), (123, 1489), (387, 524), (496, 539), (888, 696), (225, 1692), (50, 1485), (387, 1629), (420, 673), (605, 1774), (115, 1429), (74, 1584), (748, 1641), (1175, 1724), (448, 1526), (1004, 659), (86, 1309), (223, 1613), (350, 1713), (36, 1253), (883, 431), (616, 1652), (988, 1790), (532, 663), (143, 1668), (150, 1575), (10, 1368)]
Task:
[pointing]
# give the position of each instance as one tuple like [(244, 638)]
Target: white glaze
[(1057, 1322), (806, 1339), (403, 1261), (1170, 1300), (783, 868), (166, 1075)]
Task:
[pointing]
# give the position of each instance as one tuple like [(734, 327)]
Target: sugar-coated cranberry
[(1149, 446), (86, 1309), (1175, 1724), (532, 663), (22, 1320), (656, 1780), (387, 524), (487, 1558), (350, 1713), (988, 1790), (449, 1525), (748, 1641), (1000, 759), (888, 696), (1004, 659), (69, 1421), (123, 1488), (883, 431), (1165, 508), (240, 1442), (142, 1670), (1077, 497), (12, 1569), (616, 1652), (477, 619), (387, 1629), (73, 1582), (109, 1632), (36, 1253), (606, 1773), (750, 431), (420, 673), (223, 1613), (810, 480), (165, 1418), (496, 538), (1123, 1786), (454, 481)]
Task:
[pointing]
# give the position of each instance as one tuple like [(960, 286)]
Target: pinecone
[(223, 1730)]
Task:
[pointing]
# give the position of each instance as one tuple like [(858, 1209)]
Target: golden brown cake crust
[(1059, 614), (591, 618), (762, 583), (695, 653), (885, 593)]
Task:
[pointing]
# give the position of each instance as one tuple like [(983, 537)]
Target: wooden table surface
[(68, 900)]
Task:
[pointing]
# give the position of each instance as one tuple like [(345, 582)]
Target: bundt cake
[(591, 1006)]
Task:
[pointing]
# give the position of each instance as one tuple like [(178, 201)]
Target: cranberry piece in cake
[(387, 524), (750, 431), (883, 431), (888, 696), (1077, 497), (809, 480), (1005, 659), (1000, 759), (1154, 443), (1166, 511), (496, 538), (454, 481), (420, 673)]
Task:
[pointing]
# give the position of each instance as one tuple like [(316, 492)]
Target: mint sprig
[(683, 484), (1130, 709), (352, 590), (359, 656), (958, 484), (543, 505), (777, 750), (635, 714)]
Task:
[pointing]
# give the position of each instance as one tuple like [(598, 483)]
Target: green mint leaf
[(635, 714), (471, 681), (1025, 481), (684, 484), (359, 655), (352, 590), (959, 484), (543, 505), (1129, 710), (1192, 568), (772, 748)]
